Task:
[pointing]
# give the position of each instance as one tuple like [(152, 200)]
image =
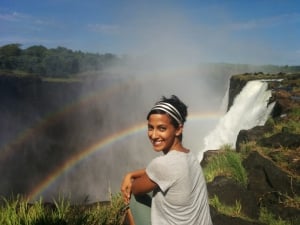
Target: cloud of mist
[(164, 60), (166, 51)]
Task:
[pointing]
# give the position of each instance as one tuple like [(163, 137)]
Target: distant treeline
[(62, 62), (54, 62)]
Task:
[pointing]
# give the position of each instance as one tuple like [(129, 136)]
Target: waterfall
[(250, 108)]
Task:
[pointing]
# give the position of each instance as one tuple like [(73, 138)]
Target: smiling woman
[(179, 193)]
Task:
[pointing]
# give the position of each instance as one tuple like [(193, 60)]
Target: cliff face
[(28, 99), (272, 160), (276, 82), (41, 125)]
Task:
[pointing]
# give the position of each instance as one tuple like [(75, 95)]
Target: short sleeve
[(161, 172)]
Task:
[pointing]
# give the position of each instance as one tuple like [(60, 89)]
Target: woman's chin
[(157, 149)]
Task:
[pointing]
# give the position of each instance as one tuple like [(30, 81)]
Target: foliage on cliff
[(62, 62), (55, 62)]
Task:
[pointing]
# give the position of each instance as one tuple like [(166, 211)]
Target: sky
[(228, 31)]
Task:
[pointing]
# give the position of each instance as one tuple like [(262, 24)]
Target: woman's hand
[(127, 183), (136, 182), (126, 187)]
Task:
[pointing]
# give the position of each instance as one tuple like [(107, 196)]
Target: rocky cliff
[(40, 127), (271, 157)]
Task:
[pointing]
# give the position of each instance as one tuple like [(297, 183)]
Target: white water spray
[(250, 108)]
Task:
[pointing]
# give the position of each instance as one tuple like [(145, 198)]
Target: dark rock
[(253, 134), (283, 139), (207, 155), (229, 192), (235, 87), (264, 176), (283, 102), (274, 202)]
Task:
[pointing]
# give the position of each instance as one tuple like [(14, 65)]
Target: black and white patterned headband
[(170, 109)]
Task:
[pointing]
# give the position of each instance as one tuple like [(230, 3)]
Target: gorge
[(36, 161)]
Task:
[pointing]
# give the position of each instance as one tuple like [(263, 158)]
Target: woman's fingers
[(126, 189), (127, 194)]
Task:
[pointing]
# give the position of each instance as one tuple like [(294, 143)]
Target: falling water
[(250, 108)]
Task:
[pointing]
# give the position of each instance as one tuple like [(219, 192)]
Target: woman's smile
[(162, 133), (156, 142)]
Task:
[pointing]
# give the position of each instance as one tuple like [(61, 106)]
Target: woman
[(175, 178)]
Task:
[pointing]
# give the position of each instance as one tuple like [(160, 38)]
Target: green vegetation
[(57, 62), (227, 163), (276, 73), (234, 211), (265, 216), (62, 62), (20, 212), (283, 157), (268, 218), (290, 123)]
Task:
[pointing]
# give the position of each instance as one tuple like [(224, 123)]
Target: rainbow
[(68, 164), (50, 118), (90, 98)]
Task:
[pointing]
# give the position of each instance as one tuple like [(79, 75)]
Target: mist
[(165, 57)]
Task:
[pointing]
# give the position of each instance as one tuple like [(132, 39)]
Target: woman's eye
[(162, 128)]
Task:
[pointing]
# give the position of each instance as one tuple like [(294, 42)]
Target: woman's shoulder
[(164, 159)]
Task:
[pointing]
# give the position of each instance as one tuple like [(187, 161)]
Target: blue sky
[(233, 31)]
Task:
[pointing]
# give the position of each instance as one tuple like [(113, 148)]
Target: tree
[(9, 56), (36, 50)]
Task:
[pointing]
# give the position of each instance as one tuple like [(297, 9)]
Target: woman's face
[(162, 133)]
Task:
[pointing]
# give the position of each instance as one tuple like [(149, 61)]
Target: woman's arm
[(127, 183), (136, 182), (142, 185)]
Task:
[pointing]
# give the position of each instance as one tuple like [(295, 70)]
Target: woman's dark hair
[(175, 102)]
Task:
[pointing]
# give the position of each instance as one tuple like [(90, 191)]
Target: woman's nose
[(152, 134)]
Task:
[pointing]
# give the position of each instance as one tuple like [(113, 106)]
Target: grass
[(265, 216), (227, 163), (268, 218), (234, 211), (19, 211)]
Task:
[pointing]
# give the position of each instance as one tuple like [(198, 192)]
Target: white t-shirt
[(181, 198)]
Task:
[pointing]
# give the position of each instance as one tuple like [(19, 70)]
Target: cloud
[(13, 16), (104, 28), (266, 22), (26, 20)]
